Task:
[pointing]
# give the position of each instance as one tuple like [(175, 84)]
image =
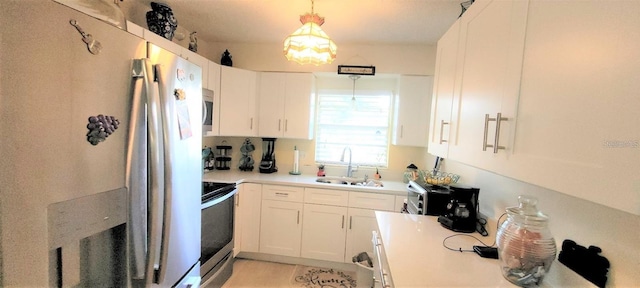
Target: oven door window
[(217, 227)]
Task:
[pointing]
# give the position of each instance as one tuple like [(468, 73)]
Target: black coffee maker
[(461, 214), (268, 163)]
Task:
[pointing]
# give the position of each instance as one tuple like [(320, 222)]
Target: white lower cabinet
[(281, 220), (360, 224), (247, 224), (320, 224), (323, 233)]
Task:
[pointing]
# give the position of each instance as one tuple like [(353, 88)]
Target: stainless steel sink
[(349, 181)]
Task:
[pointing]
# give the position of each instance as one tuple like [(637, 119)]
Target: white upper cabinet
[(578, 125), (443, 87), (487, 82), (412, 107), (237, 102), (286, 102)]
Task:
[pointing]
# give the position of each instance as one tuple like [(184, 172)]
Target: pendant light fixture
[(309, 44), (354, 78)]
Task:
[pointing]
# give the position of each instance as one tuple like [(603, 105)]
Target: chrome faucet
[(349, 171)]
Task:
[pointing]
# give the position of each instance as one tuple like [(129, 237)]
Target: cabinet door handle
[(350, 222), (496, 145), (279, 125), (486, 131), (286, 125), (401, 131), (298, 220), (342, 221), (496, 138), (281, 194), (251, 125), (442, 123)]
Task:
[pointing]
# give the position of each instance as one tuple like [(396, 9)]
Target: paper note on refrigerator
[(184, 124)]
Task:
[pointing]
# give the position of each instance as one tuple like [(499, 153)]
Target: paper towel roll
[(296, 159)]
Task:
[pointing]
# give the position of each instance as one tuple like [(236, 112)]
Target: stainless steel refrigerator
[(100, 150)]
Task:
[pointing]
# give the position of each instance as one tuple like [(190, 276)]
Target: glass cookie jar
[(526, 247)]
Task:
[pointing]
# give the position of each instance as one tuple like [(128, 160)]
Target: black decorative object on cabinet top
[(226, 58), (161, 20)]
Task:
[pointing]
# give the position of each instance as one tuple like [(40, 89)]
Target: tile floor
[(254, 273)]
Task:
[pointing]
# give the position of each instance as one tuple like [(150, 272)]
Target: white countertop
[(284, 178), (416, 256)]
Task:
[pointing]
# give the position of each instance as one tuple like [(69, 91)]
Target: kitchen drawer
[(373, 201), (326, 197), (282, 193)]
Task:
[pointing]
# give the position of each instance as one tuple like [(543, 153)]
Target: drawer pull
[(280, 194)]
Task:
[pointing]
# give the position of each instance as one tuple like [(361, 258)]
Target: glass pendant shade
[(309, 44)]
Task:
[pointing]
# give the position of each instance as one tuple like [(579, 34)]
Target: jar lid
[(527, 211), (412, 166)]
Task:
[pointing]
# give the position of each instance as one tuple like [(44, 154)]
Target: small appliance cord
[(474, 237)]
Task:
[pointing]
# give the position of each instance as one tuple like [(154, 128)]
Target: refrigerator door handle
[(136, 176), (167, 109)]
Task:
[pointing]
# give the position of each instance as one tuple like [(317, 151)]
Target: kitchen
[(587, 222)]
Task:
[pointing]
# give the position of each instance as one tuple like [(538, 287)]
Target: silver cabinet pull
[(496, 138), (251, 124), (342, 221), (486, 131), (350, 222), (442, 123), (281, 194), (286, 125), (298, 220), (496, 145), (401, 131)]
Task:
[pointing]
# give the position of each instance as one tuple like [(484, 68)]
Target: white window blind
[(362, 125)]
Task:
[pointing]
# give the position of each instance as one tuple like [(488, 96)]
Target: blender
[(268, 162)]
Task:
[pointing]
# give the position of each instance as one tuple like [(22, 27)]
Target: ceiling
[(394, 22)]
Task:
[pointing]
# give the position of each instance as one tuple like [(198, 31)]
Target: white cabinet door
[(286, 104), (412, 108), (299, 106), (443, 87), (323, 234), (360, 224), (281, 228), (578, 127), (248, 207), (237, 102), (488, 78), (271, 89)]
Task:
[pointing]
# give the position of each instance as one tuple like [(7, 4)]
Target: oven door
[(217, 235), (415, 200)]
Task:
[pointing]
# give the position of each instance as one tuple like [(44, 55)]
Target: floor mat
[(314, 277)]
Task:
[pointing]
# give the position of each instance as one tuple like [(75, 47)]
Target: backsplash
[(399, 157), (585, 222)]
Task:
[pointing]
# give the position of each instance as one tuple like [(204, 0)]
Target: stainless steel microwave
[(207, 111)]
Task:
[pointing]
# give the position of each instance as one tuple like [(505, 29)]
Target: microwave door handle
[(136, 164), (205, 111)]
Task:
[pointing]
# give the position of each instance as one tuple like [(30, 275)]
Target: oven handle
[(412, 189), (215, 201)]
